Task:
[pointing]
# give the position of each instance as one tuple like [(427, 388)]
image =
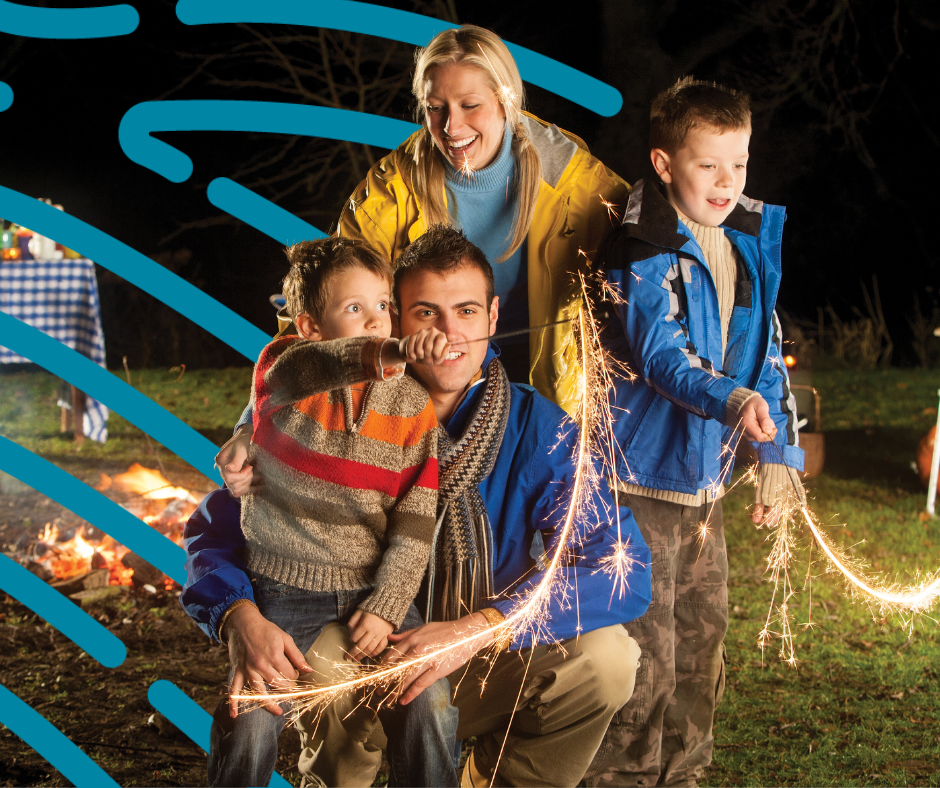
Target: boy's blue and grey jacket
[(528, 490), (672, 421)]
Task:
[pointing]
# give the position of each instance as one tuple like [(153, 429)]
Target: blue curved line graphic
[(6, 96), (181, 710), (190, 717), (58, 23), (131, 265), (94, 507), (50, 742), (61, 612), (272, 117), (410, 28), (260, 213), (137, 408)]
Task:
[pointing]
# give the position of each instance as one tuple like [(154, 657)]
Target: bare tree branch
[(308, 176)]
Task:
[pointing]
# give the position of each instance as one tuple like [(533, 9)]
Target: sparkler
[(790, 511), (466, 169), (529, 615), (504, 93)]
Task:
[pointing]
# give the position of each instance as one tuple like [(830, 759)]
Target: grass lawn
[(210, 401), (860, 708), (862, 705)]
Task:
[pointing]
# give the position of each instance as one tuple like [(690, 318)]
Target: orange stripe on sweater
[(397, 430), (400, 430), (318, 407)]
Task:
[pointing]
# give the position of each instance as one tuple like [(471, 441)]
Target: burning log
[(143, 572), (96, 578), (79, 559)]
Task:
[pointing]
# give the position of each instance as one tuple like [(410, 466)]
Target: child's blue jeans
[(421, 735)]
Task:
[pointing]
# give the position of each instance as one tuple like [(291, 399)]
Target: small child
[(346, 445), (698, 266)]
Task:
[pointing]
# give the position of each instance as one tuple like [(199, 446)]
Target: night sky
[(844, 136)]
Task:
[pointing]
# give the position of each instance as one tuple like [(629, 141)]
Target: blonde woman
[(532, 198), (528, 194)]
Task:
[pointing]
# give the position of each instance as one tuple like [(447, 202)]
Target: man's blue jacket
[(527, 491), (670, 420)]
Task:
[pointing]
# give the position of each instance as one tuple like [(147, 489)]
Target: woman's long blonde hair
[(482, 49)]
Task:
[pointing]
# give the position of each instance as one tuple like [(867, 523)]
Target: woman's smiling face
[(463, 115)]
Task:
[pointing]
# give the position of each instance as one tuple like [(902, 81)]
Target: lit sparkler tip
[(506, 95), (466, 168)]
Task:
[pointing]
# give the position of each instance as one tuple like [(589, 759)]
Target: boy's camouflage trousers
[(663, 736)]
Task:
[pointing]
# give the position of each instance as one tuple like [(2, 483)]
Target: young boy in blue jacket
[(698, 266)]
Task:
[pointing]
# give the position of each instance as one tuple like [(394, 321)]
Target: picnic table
[(60, 298)]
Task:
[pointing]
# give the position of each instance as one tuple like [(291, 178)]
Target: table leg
[(78, 415)]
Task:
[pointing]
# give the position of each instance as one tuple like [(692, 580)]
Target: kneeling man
[(507, 460)]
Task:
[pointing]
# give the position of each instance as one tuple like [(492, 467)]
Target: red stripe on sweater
[(266, 360), (347, 473)]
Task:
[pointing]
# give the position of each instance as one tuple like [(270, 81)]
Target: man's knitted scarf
[(461, 570)]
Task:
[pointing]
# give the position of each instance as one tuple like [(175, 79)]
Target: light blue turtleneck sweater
[(483, 205)]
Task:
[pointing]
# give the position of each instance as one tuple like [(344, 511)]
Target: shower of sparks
[(611, 209), (600, 373), (380, 684), (778, 565)]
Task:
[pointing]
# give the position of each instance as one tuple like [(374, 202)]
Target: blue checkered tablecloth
[(60, 298)]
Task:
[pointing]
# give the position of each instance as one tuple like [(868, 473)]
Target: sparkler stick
[(518, 333), (521, 331)]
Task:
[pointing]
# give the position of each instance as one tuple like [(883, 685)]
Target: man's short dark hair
[(313, 264), (692, 103), (443, 249)]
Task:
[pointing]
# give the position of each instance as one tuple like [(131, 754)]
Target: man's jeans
[(421, 737)]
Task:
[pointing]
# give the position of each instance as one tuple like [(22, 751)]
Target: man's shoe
[(472, 777)]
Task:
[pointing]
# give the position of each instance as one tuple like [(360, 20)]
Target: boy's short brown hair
[(694, 102), (442, 249), (313, 264)]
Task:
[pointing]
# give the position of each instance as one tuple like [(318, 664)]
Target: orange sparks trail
[(905, 602)]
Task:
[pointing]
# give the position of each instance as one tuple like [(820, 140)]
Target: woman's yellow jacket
[(570, 221)]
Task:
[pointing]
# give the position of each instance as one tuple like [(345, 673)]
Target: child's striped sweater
[(345, 504)]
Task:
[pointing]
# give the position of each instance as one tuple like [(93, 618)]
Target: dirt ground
[(106, 711)]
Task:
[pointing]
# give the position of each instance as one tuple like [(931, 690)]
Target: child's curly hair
[(313, 264)]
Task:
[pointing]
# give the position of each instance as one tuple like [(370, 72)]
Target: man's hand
[(474, 630), (427, 346), (261, 653), (756, 421), (232, 462), (369, 633)]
